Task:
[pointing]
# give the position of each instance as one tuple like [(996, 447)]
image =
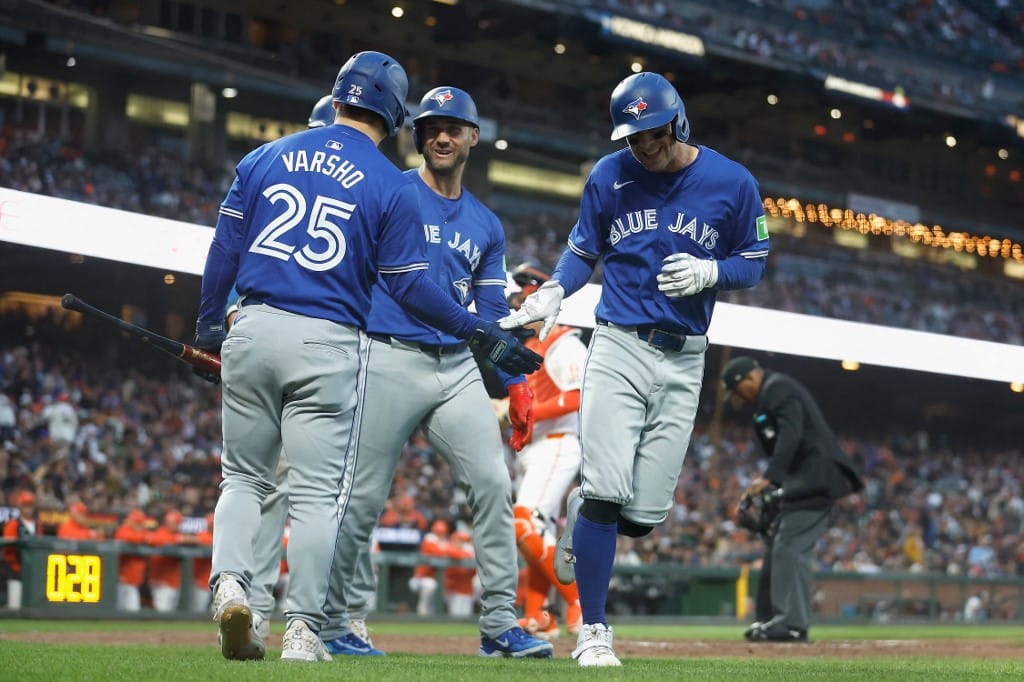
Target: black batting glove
[(504, 349), (210, 335)]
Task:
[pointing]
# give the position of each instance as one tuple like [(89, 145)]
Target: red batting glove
[(520, 414)]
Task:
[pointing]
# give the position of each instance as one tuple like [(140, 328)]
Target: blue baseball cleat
[(351, 645), (515, 643)]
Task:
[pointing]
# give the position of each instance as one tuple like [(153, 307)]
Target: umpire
[(807, 471)]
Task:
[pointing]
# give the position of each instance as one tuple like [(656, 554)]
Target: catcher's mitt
[(757, 512)]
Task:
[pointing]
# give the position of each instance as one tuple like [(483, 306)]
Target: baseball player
[(274, 513), (419, 376), (548, 464), (673, 223), (308, 224), (131, 568)]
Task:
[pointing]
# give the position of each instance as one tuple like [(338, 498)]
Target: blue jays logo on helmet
[(636, 107), (645, 101), (446, 101), (442, 97)]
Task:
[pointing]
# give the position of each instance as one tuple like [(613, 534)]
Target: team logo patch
[(636, 107), (352, 99), (762, 228), (442, 97), (334, 144), (463, 286)]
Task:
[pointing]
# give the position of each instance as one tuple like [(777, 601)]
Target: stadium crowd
[(87, 433)]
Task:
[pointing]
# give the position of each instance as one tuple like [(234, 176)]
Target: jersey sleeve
[(745, 264), (401, 247), (587, 239), (222, 259)]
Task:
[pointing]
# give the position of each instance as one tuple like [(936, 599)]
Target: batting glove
[(504, 349), (683, 275), (543, 304), (520, 415), (210, 335)]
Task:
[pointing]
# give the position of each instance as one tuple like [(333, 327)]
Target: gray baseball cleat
[(565, 560)]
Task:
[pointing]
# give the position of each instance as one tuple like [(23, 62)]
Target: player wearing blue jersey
[(310, 222), (418, 376), (673, 223)]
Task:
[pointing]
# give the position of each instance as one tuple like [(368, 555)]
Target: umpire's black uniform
[(813, 472)]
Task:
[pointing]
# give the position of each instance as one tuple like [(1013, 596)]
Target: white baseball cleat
[(565, 560), (238, 639), (594, 647), (302, 644)]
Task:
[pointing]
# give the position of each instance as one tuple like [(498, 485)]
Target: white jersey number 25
[(322, 225)]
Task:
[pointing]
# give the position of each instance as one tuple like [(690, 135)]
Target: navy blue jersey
[(466, 249), (633, 218), (307, 224)]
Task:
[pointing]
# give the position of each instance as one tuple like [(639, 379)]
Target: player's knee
[(633, 530), (600, 511)]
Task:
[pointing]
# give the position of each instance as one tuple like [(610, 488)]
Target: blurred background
[(887, 137)]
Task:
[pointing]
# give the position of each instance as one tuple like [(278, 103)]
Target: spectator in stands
[(131, 568), (21, 524), (61, 419)]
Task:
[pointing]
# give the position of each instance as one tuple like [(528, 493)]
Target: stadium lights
[(1003, 154), (397, 12), (229, 93), (773, 100), (1017, 387), (559, 48), (950, 141), (835, 114), (850, 365), (71, 62), (501, 145), (636, 67)]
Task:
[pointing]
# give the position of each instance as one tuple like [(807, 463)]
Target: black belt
[(661, 339), (437, 350), (249, 300)]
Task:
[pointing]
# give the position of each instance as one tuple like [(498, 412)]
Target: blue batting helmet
[(644, 101), (445, 101), (323, 112), (374, 81)]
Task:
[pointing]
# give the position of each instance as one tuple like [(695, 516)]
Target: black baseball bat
[(208, 362)]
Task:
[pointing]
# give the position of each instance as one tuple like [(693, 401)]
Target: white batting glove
[(543, 304), (683, 275)]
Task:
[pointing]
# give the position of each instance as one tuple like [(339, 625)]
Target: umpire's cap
[(735, 371)]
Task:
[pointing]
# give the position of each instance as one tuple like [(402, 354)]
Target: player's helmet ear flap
[(322, 113), (444, 101), (374, 81), (644, 101)]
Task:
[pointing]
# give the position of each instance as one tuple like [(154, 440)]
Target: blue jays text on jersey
[(633, 218), (308, 223), (466, 250)]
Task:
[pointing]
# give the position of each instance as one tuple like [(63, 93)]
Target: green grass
[(142, 663)]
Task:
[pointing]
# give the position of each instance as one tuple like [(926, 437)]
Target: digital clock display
[(73, 578)]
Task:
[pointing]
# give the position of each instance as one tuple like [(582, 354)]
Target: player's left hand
[(684, 275), (520, 415), (209, 337), (543, 304)]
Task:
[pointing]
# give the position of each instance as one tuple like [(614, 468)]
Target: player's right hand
[(504, 349), (543, 304)]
